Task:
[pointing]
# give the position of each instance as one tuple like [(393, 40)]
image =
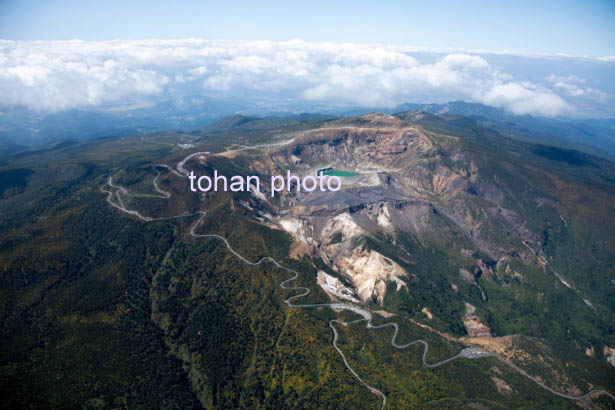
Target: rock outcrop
[(333, 286), (473, 324)]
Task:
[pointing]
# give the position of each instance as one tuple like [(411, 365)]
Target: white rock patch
[(334, 286)]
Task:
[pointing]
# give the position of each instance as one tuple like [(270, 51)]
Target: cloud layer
[(78, 74)]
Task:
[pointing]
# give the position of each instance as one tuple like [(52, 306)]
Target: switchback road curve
[(116, 191)]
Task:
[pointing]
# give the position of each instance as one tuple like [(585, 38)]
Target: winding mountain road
[(467, 353)]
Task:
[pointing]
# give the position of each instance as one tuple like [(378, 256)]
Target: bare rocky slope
[(407, 181), (437, 214)]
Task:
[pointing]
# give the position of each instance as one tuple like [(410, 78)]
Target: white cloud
[(522, 99), (571, 85), (571, 78), (76, 74)]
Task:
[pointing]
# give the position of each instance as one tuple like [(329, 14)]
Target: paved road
[(467, 353)]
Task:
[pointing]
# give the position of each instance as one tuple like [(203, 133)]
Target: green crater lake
[(338, 173)]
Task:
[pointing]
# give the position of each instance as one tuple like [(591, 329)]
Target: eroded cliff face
[(405, 178), (368, 270), (339, 241)]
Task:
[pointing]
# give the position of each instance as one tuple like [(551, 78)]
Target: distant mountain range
[(21, 128), (595, 136)]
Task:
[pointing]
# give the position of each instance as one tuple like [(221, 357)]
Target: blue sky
[(579, 28)]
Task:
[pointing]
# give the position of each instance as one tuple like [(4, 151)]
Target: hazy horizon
[(576, 28)]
